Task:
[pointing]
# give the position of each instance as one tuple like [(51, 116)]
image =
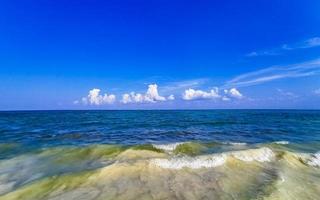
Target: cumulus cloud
[(95, 98), (233, 93), (151, 96), (191, 94), (227, 95), (171, 97)]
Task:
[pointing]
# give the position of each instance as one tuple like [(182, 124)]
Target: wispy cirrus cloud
[(309, 43), (287, 94), (268, 74)]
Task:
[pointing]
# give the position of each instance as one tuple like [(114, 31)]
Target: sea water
[(190, 154)]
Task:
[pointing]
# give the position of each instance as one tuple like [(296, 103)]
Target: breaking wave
[(167, 147), (260, 155), (281, 142), (187, 170), (314, 160)]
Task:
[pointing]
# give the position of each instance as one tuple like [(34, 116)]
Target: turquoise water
[(208, 154)]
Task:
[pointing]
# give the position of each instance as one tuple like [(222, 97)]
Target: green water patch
[(190, 148), (8, 150), (76, 154), (7, 147), (147, 147)]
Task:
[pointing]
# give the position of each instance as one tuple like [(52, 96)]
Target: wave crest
[(167, 147), (189, 162), (260, 155), (314, 160)]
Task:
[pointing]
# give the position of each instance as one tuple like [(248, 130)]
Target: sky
[(159, 54)]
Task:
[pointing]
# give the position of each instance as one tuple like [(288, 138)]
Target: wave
[(314, 160), (194, 163), (167, 147), (192, 148), (145, 172), (236, 143), (281, 142), (260, 155)]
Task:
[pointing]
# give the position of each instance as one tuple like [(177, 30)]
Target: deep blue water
[(53, 128)]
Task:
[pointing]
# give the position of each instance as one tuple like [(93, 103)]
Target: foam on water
[(260, 155), (281, 142), (189, 162), (167, 147), (236, 143), (173, 146), (314, 160), (263, 154)]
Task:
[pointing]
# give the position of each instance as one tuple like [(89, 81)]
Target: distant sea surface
[(174, 154)]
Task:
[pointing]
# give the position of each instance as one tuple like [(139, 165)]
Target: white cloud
[(95, 98), (317, 91), (126, 98), (233, 92), (192, 94), (309, 43), (171, 97), (132, 98), (275, 73), (151, 96), (228, 95)]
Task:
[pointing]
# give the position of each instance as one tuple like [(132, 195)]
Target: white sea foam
[(236, 143), (281, 142), (260, 155), (167, 147), (314, 160), (188, 162)]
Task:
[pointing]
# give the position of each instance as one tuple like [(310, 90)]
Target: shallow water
[(160, 155)]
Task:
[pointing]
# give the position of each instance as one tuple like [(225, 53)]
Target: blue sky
[(159, 54)]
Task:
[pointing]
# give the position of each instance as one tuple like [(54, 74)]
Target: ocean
[(160, 154)]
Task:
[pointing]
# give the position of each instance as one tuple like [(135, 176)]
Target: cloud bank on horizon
[(152, 96), (226, 92)]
